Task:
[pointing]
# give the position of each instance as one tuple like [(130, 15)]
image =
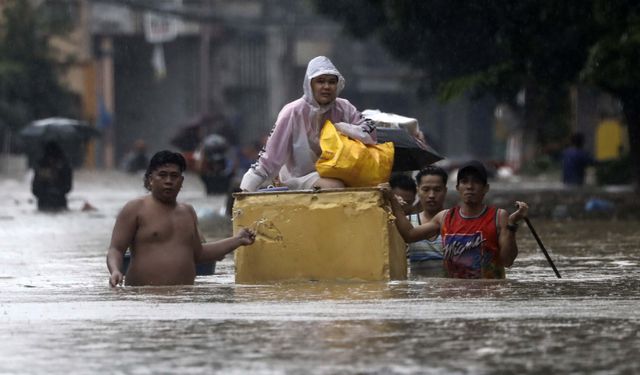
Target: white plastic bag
[(360, 132)]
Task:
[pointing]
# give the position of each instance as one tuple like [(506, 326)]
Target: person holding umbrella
[(69, 134), (52, 178)]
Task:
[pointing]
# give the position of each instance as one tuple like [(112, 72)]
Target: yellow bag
[(351, 161)]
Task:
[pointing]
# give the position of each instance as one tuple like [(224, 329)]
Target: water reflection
[(57, 314)]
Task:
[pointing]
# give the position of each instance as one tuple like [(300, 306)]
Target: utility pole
[(205, 63), (107, 95)]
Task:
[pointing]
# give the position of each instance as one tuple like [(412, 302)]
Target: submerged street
[(58, 314)]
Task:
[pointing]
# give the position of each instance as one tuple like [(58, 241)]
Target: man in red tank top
[(478, 240)]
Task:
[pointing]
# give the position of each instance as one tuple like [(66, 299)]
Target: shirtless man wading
[(163, 234)]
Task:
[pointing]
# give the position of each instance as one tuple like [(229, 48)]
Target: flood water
[(58, 314)]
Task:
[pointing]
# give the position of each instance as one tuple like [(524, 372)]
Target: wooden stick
[(544, 251)]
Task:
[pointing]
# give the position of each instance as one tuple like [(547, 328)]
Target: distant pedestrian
[(575, 161), (136, 159), (52, 179)]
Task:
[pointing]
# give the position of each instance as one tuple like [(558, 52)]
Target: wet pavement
[(58, 315)]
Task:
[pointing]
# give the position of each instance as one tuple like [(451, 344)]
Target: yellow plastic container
[(330, 235)]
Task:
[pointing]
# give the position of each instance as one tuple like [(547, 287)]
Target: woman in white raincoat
[(294, 144)]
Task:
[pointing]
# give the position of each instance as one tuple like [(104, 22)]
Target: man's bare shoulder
[(186, 207), (135, 203), (134, 206)]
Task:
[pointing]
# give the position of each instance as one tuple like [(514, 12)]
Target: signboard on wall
[(159, 28)]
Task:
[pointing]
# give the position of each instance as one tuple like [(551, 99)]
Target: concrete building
[(243, 59)]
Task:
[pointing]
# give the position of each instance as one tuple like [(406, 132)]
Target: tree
[(613, 64), (29, 85), (499, 47)]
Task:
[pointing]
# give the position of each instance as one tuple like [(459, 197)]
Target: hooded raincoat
[(293, 147)]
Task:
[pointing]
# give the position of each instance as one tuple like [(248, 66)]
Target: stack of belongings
[(411, 151)]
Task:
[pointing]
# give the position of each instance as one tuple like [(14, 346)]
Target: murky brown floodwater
[(58, 315)]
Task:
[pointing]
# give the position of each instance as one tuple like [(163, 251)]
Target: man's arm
[(408, 232), (123, 233), (214, 251), (507, 238)]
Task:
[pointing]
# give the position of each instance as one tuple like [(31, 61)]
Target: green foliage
[(614, 58), (499, 47), (502, 46), (493, 46), (29, 87), (476, 82)]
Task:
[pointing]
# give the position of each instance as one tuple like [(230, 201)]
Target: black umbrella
[(71, 135), (410, 153), (59, 129)]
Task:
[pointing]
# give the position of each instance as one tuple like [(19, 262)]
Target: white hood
[(318, 66)]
